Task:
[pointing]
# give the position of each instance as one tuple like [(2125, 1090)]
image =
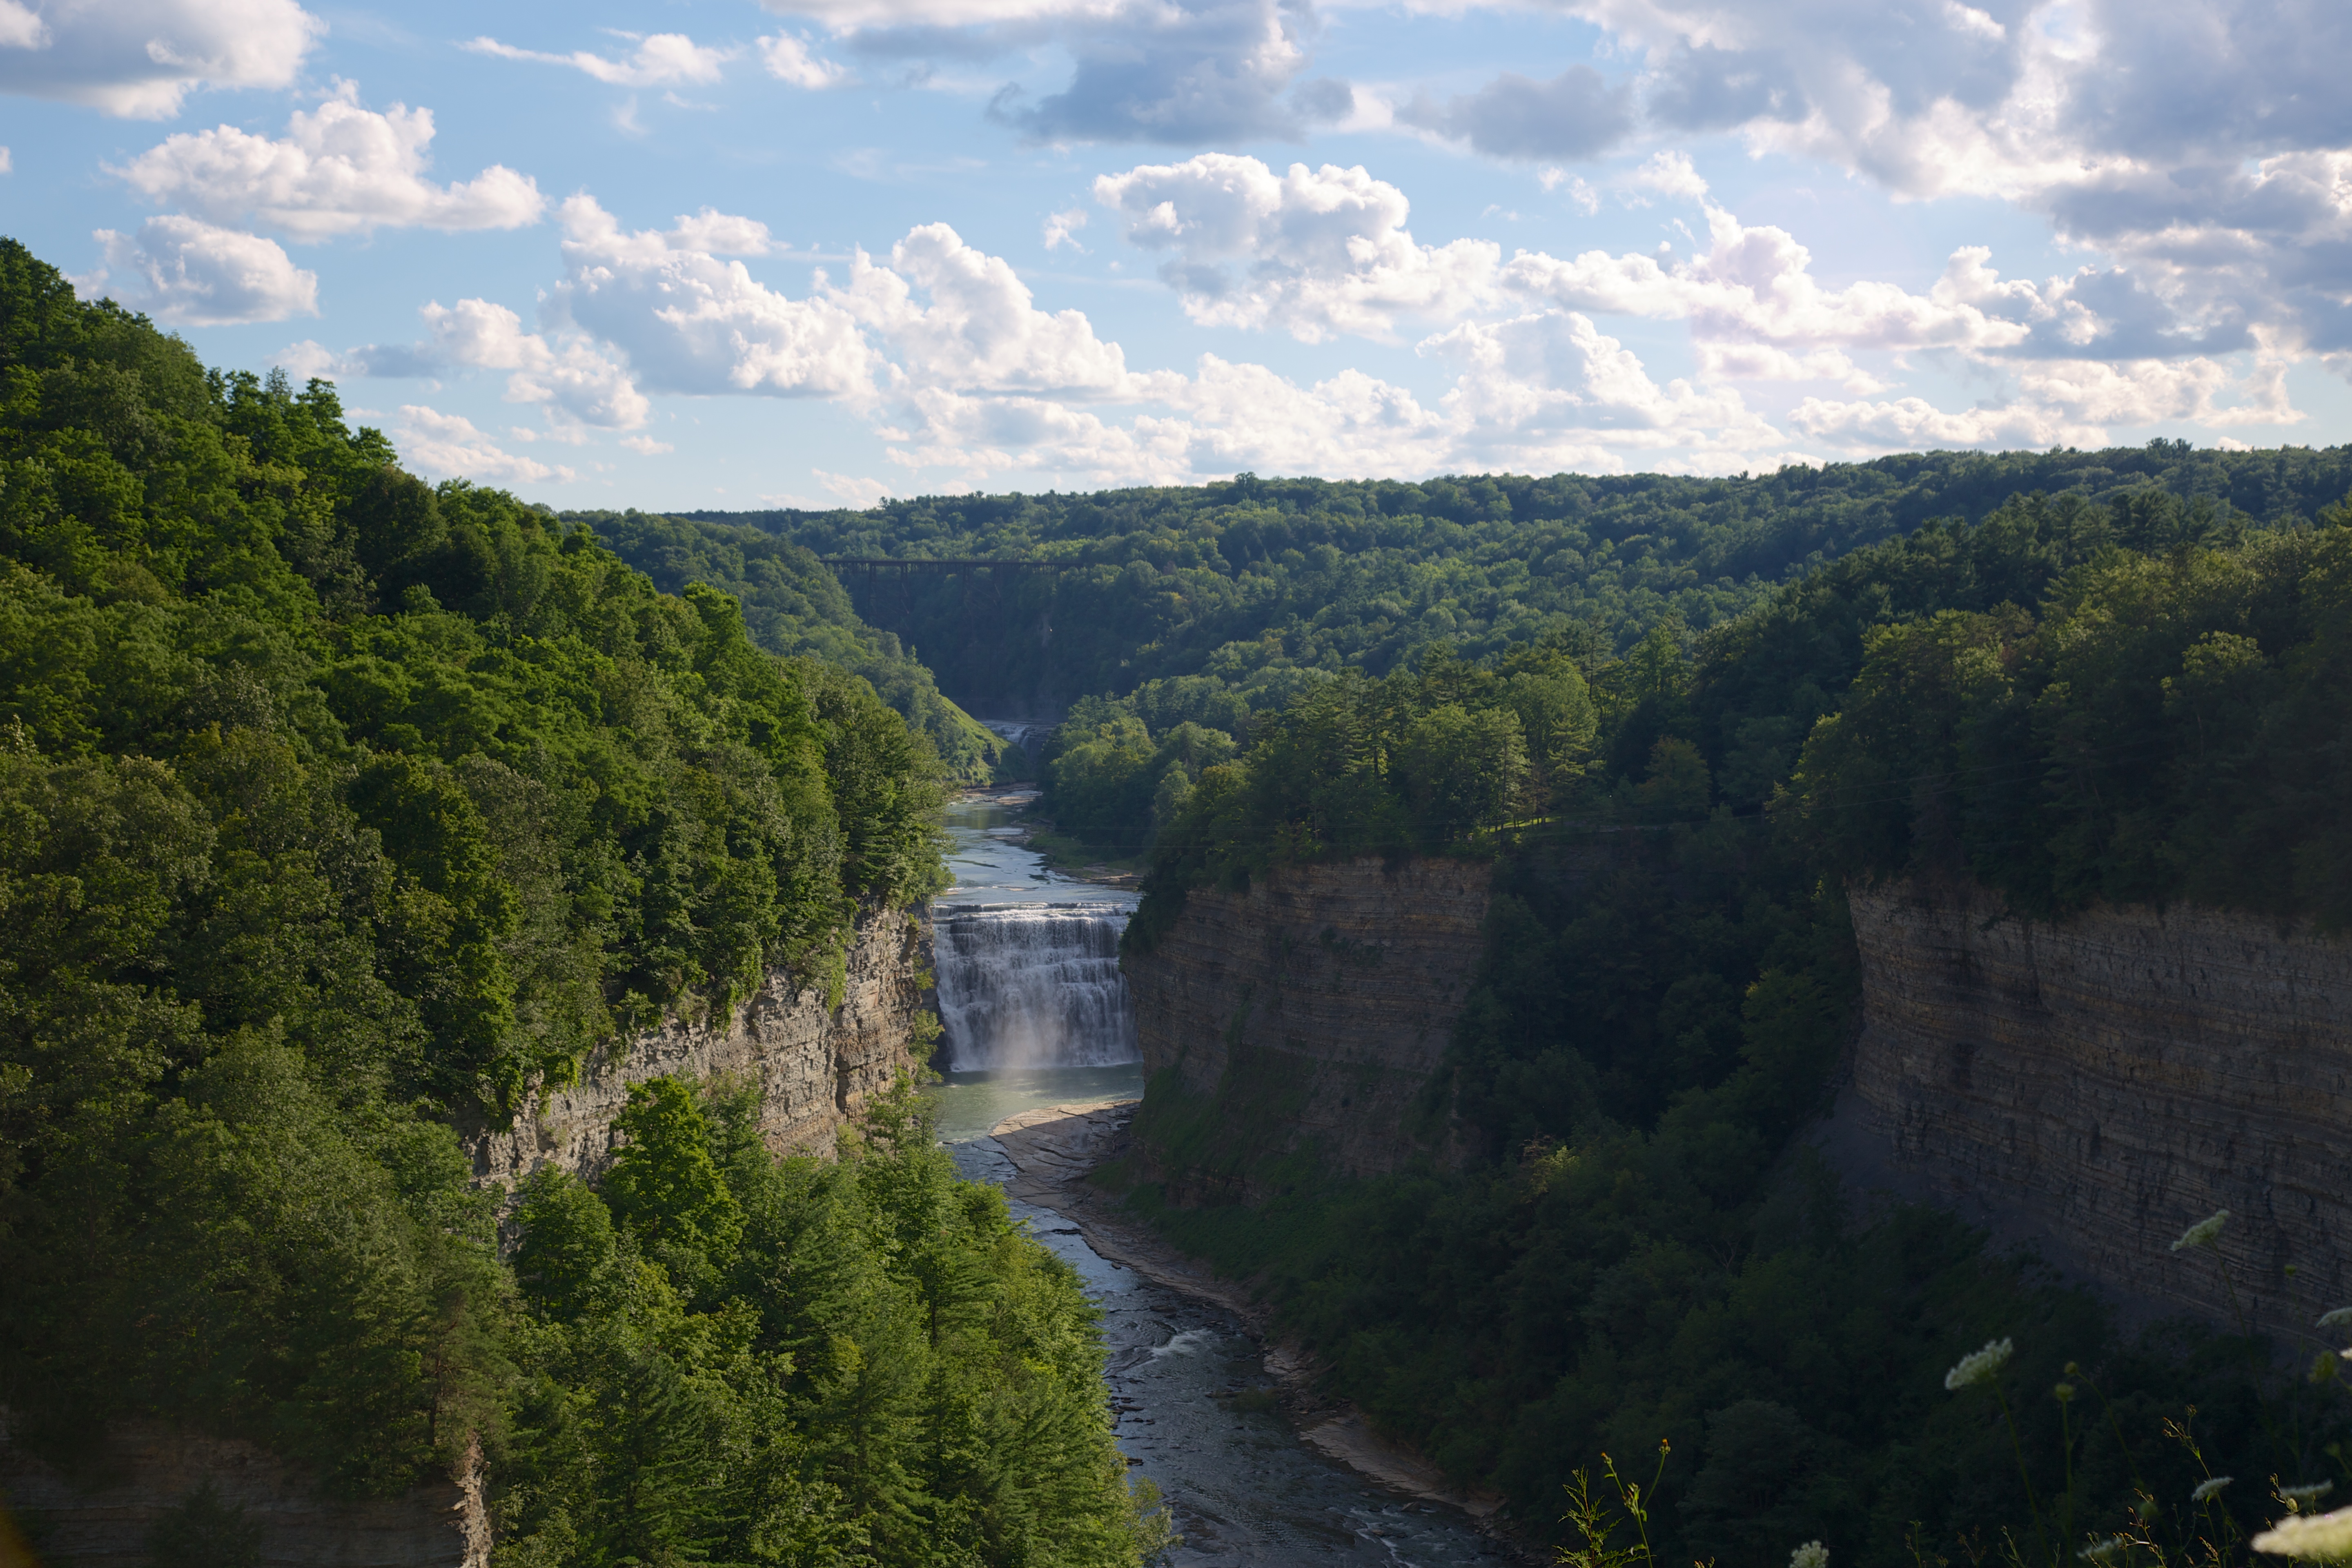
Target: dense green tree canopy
[(1247, 581), (338, 810), (794, 604), (2165, 727)]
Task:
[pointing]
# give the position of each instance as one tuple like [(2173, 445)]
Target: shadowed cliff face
[(2117, 1077), (1304, 1017), (815, 1065), (145, 1470)]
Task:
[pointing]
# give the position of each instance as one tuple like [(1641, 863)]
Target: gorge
[(435, 945), (1037, 1015), (2094, 1084)]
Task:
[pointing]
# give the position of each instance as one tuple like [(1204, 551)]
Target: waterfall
[(1032, 986)]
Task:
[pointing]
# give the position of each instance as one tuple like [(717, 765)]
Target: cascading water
[(1037, 1014), (1027, 986)]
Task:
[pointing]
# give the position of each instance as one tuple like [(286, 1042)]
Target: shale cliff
[(815, 1064), (2114, 1077), (1303, 1016)]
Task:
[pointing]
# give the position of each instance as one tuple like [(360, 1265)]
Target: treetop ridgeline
[(1248, 579)]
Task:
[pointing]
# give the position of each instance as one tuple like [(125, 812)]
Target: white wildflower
[(2296, 1497), (2336, 1318), (2325, 1536), (2206, 1488), (2202, 1233), (1981, 1366), (1812, 1554), (2105, 1550)]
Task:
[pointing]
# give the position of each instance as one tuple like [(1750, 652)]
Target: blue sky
[(811, 252)]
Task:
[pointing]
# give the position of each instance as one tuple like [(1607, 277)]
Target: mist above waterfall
[(1025, 985)]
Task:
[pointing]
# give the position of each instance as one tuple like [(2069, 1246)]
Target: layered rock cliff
[(145, 1471), (2114, 1077), (815, 1064), (1303, 1016)]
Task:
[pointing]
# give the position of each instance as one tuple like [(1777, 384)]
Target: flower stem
[(2017, 1448)]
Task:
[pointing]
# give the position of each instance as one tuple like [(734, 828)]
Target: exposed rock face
[(2117, 1077), (814, 1065), (1306, 1012), (147, 1471)]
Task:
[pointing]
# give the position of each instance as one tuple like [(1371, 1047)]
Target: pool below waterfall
[(1036, 1016)]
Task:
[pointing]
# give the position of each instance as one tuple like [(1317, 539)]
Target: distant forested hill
[(1243, 580), (1184, 612)]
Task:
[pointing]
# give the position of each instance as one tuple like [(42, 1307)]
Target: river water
[(1029, 1004)]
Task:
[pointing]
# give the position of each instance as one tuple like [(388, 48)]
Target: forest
[(1249, 582), (1646, 1250), (1202, 606), (2094, 676), (342, 811)]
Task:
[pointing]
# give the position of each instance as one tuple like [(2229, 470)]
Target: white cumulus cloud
[(1321, 252), (575, 381), (957, 317), (140, 58), (1181, 72), (857, 491), (1755, 284), (789, 59), (449, 444), (340, 169), (193, 274), (690, 322), (1553, 370), (950, 356), (2063, 402)]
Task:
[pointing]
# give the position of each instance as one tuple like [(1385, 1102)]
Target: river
[(1036, 1016)]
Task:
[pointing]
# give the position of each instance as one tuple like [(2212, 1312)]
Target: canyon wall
[(145, 1470), (1305, 1015), (2114, 1077), (815, 1064)]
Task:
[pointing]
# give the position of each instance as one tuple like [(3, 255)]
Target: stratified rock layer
[(1307, 1011), (814, 1065), (2117, 1077), (145, 1470)]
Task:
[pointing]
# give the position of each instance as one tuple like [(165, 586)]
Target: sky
[(720, 254)]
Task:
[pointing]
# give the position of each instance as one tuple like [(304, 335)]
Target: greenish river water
[(1243, 1490)]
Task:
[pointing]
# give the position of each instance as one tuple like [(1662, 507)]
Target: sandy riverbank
[(1055, 1146)]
